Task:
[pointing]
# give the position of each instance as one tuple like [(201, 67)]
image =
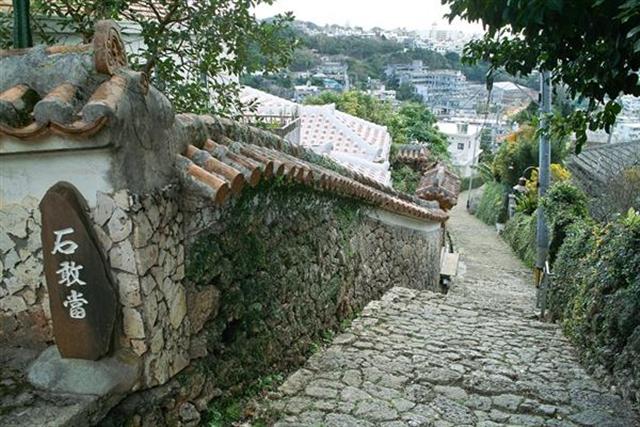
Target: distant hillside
[(366, 53), (368, 56)]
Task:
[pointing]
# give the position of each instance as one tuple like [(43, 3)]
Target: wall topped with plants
[(595, 293)]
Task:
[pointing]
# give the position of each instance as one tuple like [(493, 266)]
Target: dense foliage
[(596, 294), (414, 122), (520, 151), (590, 46), (563, 205), (493, 203), (405, 179), (188, 46), (595, 291), (520, 233)]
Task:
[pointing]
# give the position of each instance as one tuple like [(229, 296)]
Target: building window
[(461, 146)]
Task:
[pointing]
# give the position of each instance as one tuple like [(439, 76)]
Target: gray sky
[(388, 14)]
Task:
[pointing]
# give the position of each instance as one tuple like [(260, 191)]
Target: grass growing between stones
[(228, 411), (251, 405)]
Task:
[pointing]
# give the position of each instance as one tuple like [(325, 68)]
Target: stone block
[(104, 208), (157, 341), (147, 258), (128, 289), (139, 347), (122, 200), (132, 323), (51, 372), (142, 231), (119, 226), (122, 257), (13, 304), (13, 219), (6, 243), (177, 307), (148, 283)]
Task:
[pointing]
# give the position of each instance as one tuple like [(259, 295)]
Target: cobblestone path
[(476, 356)]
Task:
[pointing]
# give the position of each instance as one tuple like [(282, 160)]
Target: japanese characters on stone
[(69, 274)]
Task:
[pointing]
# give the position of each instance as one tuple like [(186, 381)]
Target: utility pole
[(21, 25), (542, 237)]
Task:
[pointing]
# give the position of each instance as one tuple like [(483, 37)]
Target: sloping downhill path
[(475, 357)]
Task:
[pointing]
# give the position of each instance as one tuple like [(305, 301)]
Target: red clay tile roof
[(441, 185), (215, 169), (25, 113)]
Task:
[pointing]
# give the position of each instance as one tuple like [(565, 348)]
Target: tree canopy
[(188, 45), (591, 46)]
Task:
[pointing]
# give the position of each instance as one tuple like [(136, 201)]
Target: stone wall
[(24, 305), (266, 276), (229, 293)]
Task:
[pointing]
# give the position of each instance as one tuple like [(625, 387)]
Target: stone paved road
[(473, 357)]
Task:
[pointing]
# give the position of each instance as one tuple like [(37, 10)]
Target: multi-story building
[(442, 90), (383, 94), (464, 144), (510, 95)]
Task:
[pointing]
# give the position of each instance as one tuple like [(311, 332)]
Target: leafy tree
[(591, 46), (304, 59), (414, 123), (407, 92), (189, 45), (453, 57), (520, 151)]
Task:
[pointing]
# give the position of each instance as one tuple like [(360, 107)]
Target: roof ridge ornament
[(109, 50)]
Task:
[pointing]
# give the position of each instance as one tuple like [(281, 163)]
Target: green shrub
[(563, 205), (596, 291), (405, 179), (520, 233), (520, 151), (568, 270), (527, 203), (492, 206), (478, 182)]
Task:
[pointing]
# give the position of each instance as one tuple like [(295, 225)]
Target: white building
[(383, 94), (464, 144), (354, 143), (508, 94)]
